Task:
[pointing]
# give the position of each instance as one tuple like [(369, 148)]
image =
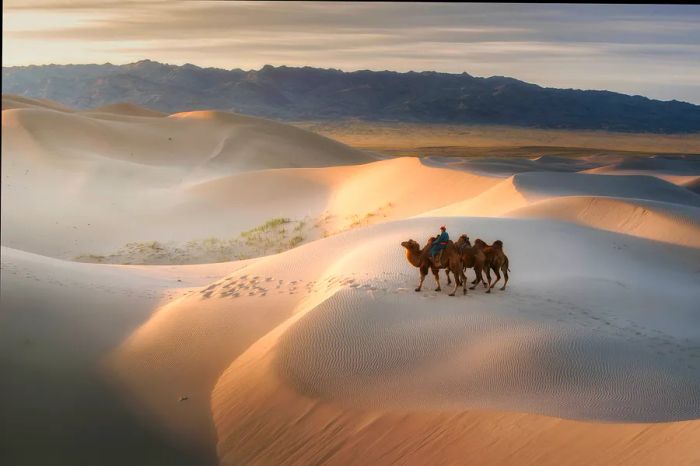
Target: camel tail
[(507, 265)]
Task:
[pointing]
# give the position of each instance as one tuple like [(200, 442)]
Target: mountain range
[(288, 93)]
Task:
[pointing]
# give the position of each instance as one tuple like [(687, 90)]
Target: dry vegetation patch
[(413, 139)]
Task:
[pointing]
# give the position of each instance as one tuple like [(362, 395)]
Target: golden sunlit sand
[(318, 350)]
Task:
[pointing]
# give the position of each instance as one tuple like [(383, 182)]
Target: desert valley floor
[(211, 288)]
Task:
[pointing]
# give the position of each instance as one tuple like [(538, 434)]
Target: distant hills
[(321, 94)]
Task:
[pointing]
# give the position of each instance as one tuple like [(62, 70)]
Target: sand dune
[(189, 192), (186, 139), (190, 176), (54, 195), (501, 198), (675, 174), (324, 353), (643, 206), (653, 220), (677, 169), (11, 102), (345, 364), (59, 320), (128, 109), (664, 164), (349, 331), (537, 185), (511, 165), (693, 185)]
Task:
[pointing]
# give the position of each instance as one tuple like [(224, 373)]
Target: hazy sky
[(648, 50)]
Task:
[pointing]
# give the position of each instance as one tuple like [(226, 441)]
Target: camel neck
[(413, 257)]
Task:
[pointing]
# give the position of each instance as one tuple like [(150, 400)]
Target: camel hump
[(498, 244)]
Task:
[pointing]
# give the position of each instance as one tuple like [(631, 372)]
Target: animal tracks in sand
[(245, 286)]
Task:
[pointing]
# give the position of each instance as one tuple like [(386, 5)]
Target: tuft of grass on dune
[(273, 236)]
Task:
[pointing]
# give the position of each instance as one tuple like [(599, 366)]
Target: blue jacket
[(440, 243)]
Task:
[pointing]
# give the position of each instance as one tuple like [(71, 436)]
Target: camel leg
[(498, 276), (505, 276), (464, 282), (436, 273), (488, 277), (423, 273), (447, 274), (482, 276), (456, 272), (478, 278)]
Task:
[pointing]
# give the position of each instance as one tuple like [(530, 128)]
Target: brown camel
[(447, 270), (496, 260), (472, 258), (449, 259)]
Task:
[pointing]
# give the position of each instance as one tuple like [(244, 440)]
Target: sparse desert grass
[(296, 241), (272, 236), (358, 220), (269, 237), (95, 258), (413, 139)]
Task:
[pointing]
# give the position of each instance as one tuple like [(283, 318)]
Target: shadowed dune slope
[(665, 222), (643, 206), (693, 185), (58, 320), (538, 185)]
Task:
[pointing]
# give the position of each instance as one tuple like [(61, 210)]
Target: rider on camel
[(439, 244)]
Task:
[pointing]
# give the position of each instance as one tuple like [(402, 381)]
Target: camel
[(447, 270), (449, 259), (496, 260), (472, 258)]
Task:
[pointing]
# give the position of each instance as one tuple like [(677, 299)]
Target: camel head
[(411, 245), (464, 239)]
